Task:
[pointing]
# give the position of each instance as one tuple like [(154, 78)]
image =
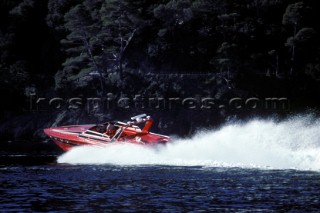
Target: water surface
[(50, 186)]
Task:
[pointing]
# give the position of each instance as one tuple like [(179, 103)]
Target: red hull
[(67, 137)]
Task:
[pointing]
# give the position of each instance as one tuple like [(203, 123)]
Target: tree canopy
[(76, 45)]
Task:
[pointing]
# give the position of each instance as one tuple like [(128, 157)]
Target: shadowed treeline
[(156, 49)]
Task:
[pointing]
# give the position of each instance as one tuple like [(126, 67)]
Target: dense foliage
[(162, 48)]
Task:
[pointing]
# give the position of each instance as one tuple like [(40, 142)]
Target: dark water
[(39, 184)]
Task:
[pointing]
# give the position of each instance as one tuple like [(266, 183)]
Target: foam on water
[(266, 144)]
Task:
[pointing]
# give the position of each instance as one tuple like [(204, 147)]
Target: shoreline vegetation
[(211, 62)]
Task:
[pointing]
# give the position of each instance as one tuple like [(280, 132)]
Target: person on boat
[(110, 130), (101, 128)]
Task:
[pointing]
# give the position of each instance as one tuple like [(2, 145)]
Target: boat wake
[(264, 144)]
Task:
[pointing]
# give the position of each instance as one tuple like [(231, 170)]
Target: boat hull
[(68, 137)]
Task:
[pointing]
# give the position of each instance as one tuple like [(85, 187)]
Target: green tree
[(56, 11), (295, 16), (226, 60), (81, 44), (23, 8), (304, 43), (14, 67), (99, 34), (120, 23)]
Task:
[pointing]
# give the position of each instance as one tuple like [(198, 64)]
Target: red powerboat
[(67, 137)]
